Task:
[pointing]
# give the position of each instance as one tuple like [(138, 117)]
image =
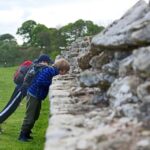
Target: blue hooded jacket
[(39, 87)]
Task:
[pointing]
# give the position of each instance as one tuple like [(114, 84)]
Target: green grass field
[(11, 127)]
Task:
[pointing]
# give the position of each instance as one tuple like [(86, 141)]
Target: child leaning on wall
[(37, 91)]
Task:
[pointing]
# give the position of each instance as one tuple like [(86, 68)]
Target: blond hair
[(62, 64)]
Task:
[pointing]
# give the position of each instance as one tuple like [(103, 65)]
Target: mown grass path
[(11, 127)]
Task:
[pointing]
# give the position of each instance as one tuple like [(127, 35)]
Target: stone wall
[(104, 102)]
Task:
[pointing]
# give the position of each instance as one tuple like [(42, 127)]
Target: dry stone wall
[(104, 101)]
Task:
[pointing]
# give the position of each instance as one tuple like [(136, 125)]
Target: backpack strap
[(32, 72)]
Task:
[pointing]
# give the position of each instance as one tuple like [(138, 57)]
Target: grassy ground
[(11, 127)]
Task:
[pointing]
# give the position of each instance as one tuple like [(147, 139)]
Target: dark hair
[(44, 58)]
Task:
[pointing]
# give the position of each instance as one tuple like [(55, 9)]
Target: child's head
[(44, 59), (63, 66)]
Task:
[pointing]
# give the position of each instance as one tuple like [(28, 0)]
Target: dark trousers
[(15, 92), (13, 103), (33, 108)]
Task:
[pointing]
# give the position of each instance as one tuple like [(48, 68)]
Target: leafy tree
[(80, 28), (7, 37), (8, 51), (26, 30), (41, 36), (56, 39), (92, 29)]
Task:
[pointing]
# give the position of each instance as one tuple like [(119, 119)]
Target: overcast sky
[(55, 13)]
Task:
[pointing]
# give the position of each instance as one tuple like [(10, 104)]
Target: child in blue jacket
[(37, 91)]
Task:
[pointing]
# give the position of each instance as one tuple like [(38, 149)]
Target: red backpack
[(21, 72)]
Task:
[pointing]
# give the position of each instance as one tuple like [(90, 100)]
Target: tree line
[(38, 38)]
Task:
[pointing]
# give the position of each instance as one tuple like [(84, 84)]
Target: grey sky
[(53, 13)]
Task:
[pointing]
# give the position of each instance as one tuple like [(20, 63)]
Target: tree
[(41, 36), (93, 29), (57, 39), (7, 37), (38, 35), (80, 28), (8, 51), (26, 30)]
